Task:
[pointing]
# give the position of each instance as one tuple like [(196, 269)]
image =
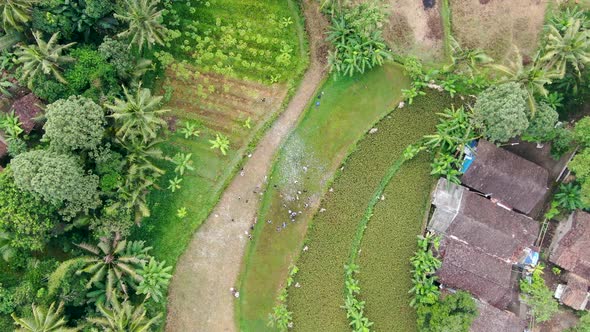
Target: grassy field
[(321, 274), (305, 165), (221, 102), (495, 26), (415, 31)]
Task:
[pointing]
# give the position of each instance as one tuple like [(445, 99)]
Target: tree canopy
[(501, 112), (58, 179), (76, 123)]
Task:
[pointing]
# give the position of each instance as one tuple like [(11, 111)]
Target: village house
[(510, 180), (483, 244), (491, 318), (570, 250)]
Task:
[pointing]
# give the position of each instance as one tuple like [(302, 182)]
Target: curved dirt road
[(199, 297)]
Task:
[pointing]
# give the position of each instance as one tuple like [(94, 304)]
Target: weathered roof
[(575, 294), (571, 249), (27, 108), (477, 221), (514, 181), (481, 243), (494, 319), (496, 231), (469, 268)]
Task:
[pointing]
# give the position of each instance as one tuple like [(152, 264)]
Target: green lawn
[(228, 100), (303, 170), (321, 270)]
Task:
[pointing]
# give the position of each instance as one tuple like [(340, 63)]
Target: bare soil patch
[(415, 28), (562, 321), (495, 26), (225, 104)]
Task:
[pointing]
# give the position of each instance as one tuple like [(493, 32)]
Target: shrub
[(568, 197), (454, 313), (49, 89), (424, 265), (580, 165), (76, 123), (582, 131), (583, 324), (542, 124), (561, 143), (7, 305), (91, 74), (501, 112), (357, 39), (539, 297), (118, 56), (27, 218)]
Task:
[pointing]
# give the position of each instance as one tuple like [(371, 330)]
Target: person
[(317, 103)]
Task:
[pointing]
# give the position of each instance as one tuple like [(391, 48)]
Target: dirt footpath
[(199, 297)]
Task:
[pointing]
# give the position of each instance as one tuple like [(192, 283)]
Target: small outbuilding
[(574, 294), (493, 319), (570, 250), (503, 176)]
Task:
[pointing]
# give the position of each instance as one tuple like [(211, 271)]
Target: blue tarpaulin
[(469, 157)]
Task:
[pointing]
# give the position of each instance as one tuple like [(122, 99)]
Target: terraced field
[(316, 304)]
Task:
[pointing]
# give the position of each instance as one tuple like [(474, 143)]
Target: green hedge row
[(316, 304)]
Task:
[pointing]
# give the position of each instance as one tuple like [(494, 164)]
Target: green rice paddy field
[(301, 174), (316, 304)]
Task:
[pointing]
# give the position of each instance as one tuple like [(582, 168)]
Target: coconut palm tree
[(44, 57), (138, 115), (144, 21), (532, 78), (113, 263), (16, 13), (470, 57), (6, 249), (50, 320), (123, 318), (571, 45)]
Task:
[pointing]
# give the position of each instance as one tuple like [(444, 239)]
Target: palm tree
[(140, 177), (138, 116), (50, 320), (532, 78), (220, 142), (144, 20), (113, 264), (6, 249), (123, 318), (16, 13), (45, 57), (183, 162), (471, 57), (571, 45)]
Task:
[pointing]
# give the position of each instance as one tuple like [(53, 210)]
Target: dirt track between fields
[(199, 296)]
